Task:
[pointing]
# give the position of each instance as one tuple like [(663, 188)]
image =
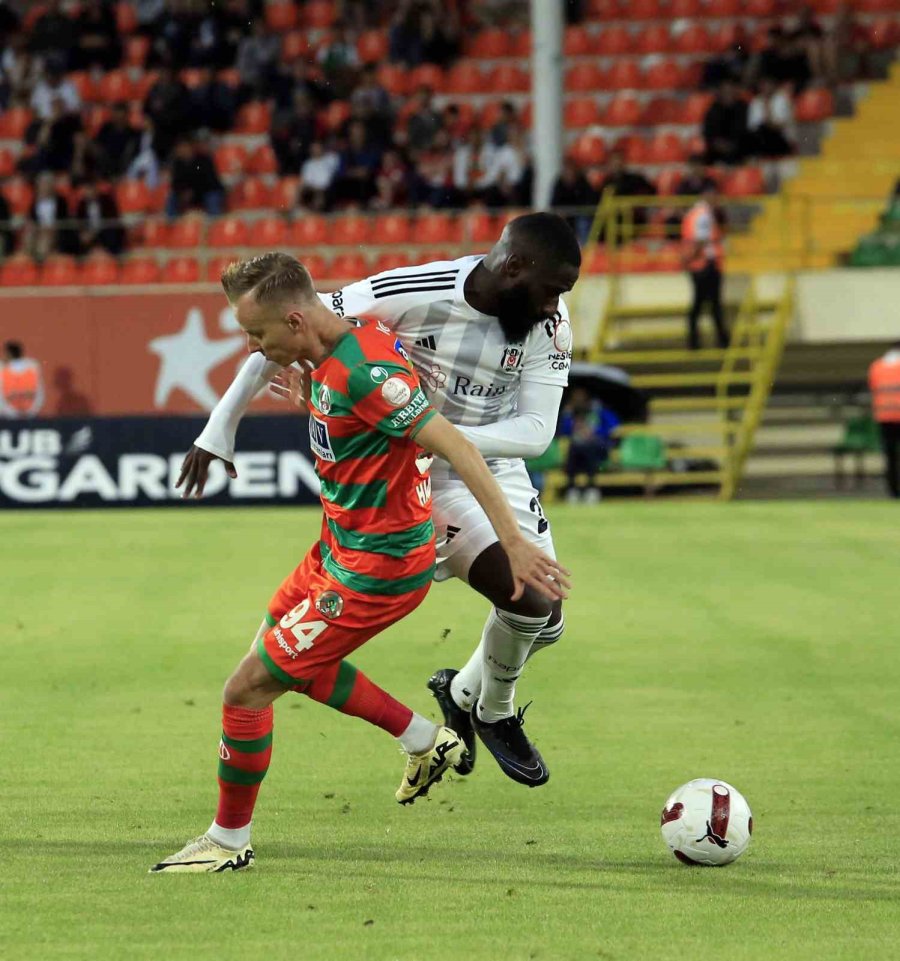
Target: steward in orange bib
[(702, 257), (884, 382), (20, 382)]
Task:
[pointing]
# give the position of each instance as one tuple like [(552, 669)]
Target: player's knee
[(251, 685), (530, 604)]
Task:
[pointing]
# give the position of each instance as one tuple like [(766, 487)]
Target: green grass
[(752, 642)]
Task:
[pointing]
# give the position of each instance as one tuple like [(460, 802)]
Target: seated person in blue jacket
[(590, 426)]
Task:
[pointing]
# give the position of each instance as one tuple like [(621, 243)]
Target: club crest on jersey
[(330, 604), (396, 391), (424, 461), (562, 337), (324, 399), (378, 375), (319, 441), (512, 358)]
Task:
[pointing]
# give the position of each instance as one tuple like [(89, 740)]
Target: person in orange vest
[(21, 382), (702, 257), (884, 383)]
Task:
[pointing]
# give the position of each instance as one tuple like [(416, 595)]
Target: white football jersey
[(468, 369)]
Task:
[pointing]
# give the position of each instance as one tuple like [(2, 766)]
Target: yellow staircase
[(836, 197), (704, 404)]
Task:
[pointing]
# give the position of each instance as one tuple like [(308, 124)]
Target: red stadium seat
[(394, 79), (884, 34), (597, 261), (584, 77), (466, 77), (659, 110), (480, 227), (126, 18), (614, 41), (604, 10), (623, 75), (294, 45), (685, 9), (509, 78), (633, 148), (667, 148), (231, 159), (14, 122), (136, 50), (310, 230), (635, 259), (667, 182), (319, 14), (588, 149), (231, 77), (227, 232), (216, 265), (314, 263), (100, 270), (814, 105), (877, 6), (263, 160), (268, 232), (577, 42), (254, 117), (7, 163), (668, 259), (250, 194), (723, 8), (336, 114), (140, 270), (372, 46), (760, 9), (653, 39), (19, 195), (624, 110), (285, 193), (520, 44), (427, 75), (581, 112), (143, 83), (85, 84), (694, 39), (186, 232), (281, 16), (348, 267), (192, 77), (154, 233), (391, 261), (94, 116), (181, 270), (744, 182), (59, 270), (116, 85), (642, 10), (437, 228), (489, 44), (132, 196), (350, 230), (391, 229), (19, 271), (665, 75), (695, 108)]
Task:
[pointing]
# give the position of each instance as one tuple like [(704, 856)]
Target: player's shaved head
[(540, 239), (273, 278)]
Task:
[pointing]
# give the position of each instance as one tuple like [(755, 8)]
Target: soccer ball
[(706, 821)]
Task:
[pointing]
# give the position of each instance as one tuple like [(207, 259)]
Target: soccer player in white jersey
[(491, 341)]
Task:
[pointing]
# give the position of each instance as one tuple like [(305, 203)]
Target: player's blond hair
[(273, 278)]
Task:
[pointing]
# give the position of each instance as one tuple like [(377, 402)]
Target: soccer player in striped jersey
[(491, 341), (370, 426)]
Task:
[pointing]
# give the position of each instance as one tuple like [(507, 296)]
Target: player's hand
[(195, 470), (293, 385), (531, 567)]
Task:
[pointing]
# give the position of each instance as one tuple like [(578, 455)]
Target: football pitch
[(753, 642)]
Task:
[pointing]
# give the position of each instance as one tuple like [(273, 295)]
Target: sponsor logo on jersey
[(337, 302), (330, 604), (464, 386), (401, 350), (378, 375), (424, 461), (435, 377), (429, 343), (411, 411), (319, 440), (512, 357), (423, 491), (324, 399), (383, 327), (396, 391)]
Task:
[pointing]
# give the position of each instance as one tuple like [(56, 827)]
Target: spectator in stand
[(172, 35), (146, 165), (372, 103), (432, 180), (470, 160), (502, 184), (52, 140), (424, 121), (390, 181), (402, 35), (207, 45), (168, 106), (317, 177), (725, 127), (54, 87), (453, 123), (507, 122), (97, 43), (22, 70), (784, 60), (626, 183), (7, 235), (213, 103), (696, 180), (770, 121), (53, 34), (86, 160), (10, 21), (808, 38), (339, 60), (149, 13), (195, 183), (47, 231), (360, 161), (590, 427), (438, 41), (98, 216), (572, 190), (293, 131), (301, 75), (846, 48), (118, 143), (731, 65), (257, 59)]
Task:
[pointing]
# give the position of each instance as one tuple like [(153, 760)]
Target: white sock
[(232, 838), (419, 736), (466, 686), (548, 636), (507, 639)]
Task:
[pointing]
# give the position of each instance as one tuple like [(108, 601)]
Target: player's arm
[(529, 565)]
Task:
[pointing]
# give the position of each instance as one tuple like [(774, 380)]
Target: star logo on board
[(187, 359)]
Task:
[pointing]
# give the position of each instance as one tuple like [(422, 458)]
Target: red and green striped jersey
[(366, 408)]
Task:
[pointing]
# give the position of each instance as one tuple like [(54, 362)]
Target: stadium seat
[(604, 10), (281, 16), (19, 271), (614, 41), (667, 148), (285, 192), (263, 160), (427, 75), (667, 182), (744, 182), (466, 77), (294, 46), (653, 39), (489, 44), (394, 79), (588, 149), (391, 229), (251, 193), (694, 109), (59, 270), (760, 9), (348, 267), (336, 114), (153, 232), (723, 8), (254, 117), (231, 77), (814, 105), (877, 6), (94, 116), (126, 18), (520, 44), (509, 78), (143, 83), (310, 230), (659, 110), (577, 42), (7, 163), (191, 77), (581, 112), (100, 270), (85, 84), (634, 149), (19, 195), (668, 260), (231, 159), (216, 265), (181, 270), (436, 228), (642, 452), (686, 9), (115, 86), (319, 14), (624, 110), (132, 196), (139, 270), (349, 230), (726, 35), (136, 50), (14, 122), (479, 227), (186, 232), (597, 261), (227, 232), (391, 261), (694, 39), (642, 10), (665, 75), (623, 75), (268, 232), (884, 34), (372, 46)]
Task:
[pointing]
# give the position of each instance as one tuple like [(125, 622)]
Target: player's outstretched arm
[(529, 565)]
